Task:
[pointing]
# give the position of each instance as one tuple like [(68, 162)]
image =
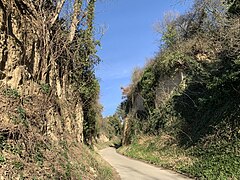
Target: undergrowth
[(215, 161), (27, 150)]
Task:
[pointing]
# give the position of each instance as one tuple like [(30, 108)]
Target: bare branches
[(57, 12), (75, 20)]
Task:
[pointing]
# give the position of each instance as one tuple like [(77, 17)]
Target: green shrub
[(45, 88), (2, 158), (12, 93), (18, 165)]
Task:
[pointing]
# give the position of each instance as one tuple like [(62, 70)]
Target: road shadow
[(116, 145)]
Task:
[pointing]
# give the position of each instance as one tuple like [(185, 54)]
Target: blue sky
[(128, 42)]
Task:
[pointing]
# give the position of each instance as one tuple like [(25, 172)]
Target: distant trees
[(111, 126)]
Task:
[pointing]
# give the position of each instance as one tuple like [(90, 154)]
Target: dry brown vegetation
[(28, 150)]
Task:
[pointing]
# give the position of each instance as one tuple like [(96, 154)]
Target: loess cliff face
[(29, 65), (40, 114)]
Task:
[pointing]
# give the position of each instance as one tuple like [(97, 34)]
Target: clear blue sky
[(128, 42)]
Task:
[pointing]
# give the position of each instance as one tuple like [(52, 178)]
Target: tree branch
[(75, 21), (57, 12)]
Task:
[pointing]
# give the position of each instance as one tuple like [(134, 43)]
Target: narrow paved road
[(130, 169)]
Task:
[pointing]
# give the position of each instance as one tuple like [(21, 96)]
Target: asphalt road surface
[(130, 169)]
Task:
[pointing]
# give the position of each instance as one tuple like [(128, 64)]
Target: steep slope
[(48, 91), (190, 93)]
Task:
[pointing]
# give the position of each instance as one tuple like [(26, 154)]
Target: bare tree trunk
[(75, 19), (57, 12)]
